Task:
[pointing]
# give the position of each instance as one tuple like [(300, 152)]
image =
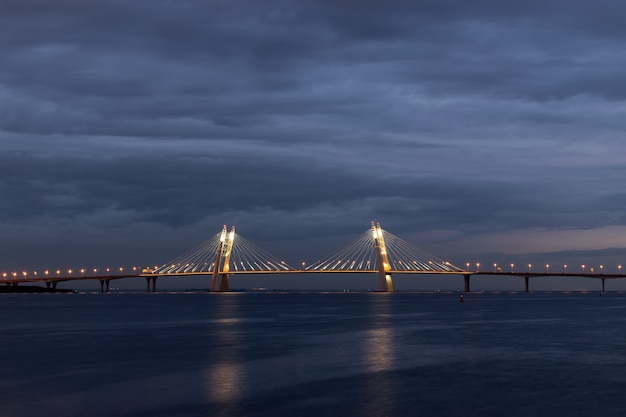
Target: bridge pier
[(466, 279), (526, 283), (602, 280), (382, 284), (385, 282), (153, 279), (220, 283), (52, 285), (104, 283), (224, 286), (219, 277)]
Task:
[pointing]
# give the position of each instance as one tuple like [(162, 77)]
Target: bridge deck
[(307, 271)]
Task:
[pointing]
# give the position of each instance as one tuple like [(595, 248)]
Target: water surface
[(312, 354)]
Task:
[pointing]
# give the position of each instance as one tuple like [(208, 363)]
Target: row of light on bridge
[(47, 273), (57, 272), (497, 268)]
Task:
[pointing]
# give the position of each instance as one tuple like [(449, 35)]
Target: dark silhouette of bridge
[(375, 251)]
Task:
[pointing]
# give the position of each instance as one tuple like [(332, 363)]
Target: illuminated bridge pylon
[(381, 252), (226, 253)]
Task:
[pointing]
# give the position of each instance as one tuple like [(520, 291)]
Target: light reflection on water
[(226, 371), (380, 356), (379, 343), (224, 381), (380, 350)]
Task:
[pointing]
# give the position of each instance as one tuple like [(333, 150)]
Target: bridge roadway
[(528, 275), (51, 282)]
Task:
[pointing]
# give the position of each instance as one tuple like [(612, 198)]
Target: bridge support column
[(219, 278), (148, 280), (224, 286), (52, 285), (466, 279), (382, 284), (215, 283), (526, 283), (104, 285), (602, 280), (385, 283)]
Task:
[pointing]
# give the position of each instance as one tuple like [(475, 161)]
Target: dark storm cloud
[(313, 116)]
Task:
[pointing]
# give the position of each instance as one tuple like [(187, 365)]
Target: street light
[(477, 266), (82, 272), (512, 267), (565, 269), (583, 268), (601, 268), (529, 266), (619, 268), (547, 268), (495, 267)]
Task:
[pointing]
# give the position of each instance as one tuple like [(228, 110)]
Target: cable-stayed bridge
[(375, 251)]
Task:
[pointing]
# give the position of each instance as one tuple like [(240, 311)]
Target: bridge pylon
[(385, 283), (219, 279)]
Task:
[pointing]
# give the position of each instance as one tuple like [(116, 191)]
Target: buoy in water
[(461, 298)]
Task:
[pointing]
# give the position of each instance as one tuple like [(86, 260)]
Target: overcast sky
[(484, 131)]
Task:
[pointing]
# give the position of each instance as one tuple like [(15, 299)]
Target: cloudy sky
[(484, 131)]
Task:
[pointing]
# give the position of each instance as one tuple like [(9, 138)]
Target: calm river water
[(312, 354)]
